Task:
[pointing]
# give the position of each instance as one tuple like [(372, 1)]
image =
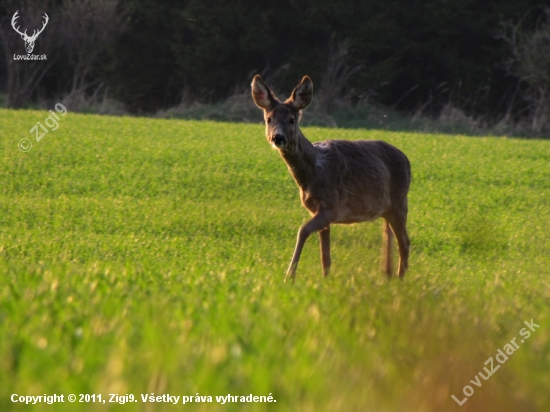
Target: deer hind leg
[(386, 262), (398, 223), (324, 240)]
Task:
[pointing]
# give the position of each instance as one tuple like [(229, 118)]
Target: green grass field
[(142, 256)]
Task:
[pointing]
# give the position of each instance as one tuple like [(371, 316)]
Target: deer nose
[(279, 140)]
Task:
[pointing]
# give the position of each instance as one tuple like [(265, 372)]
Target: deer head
[(29, 40), (281, 118)]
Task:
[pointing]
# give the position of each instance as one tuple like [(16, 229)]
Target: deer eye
[(292, 120), (268, 120)]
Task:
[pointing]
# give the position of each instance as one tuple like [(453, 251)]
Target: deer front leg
[(324, 240), (318, 222)]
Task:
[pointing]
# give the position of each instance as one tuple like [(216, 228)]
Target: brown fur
[(340, 181)]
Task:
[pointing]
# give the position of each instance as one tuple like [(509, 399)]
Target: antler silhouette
[(37, 32), (29, 40), (15, 17)]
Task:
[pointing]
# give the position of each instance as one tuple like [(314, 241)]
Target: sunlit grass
[(142, 255)]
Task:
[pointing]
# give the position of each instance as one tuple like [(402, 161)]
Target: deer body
[(340, 181)]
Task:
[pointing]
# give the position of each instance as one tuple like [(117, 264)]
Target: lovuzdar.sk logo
[(29, 40)]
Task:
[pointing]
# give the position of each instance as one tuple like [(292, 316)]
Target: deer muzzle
[(279, 140)]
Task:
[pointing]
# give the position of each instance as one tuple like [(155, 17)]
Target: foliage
[(401, 53), (530, 62)]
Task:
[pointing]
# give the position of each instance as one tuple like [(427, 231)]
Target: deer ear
[(261, 94), (302, 94)]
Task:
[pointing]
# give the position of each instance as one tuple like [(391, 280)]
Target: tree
[(529, 62), (24, 76)]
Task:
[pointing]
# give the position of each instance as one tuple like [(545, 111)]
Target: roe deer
[(340, 181)]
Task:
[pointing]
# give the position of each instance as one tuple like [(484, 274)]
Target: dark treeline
[(151, 54)]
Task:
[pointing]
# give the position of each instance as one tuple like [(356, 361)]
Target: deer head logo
[(29, 40)]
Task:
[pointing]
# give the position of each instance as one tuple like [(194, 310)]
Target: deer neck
[(300, 160)]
